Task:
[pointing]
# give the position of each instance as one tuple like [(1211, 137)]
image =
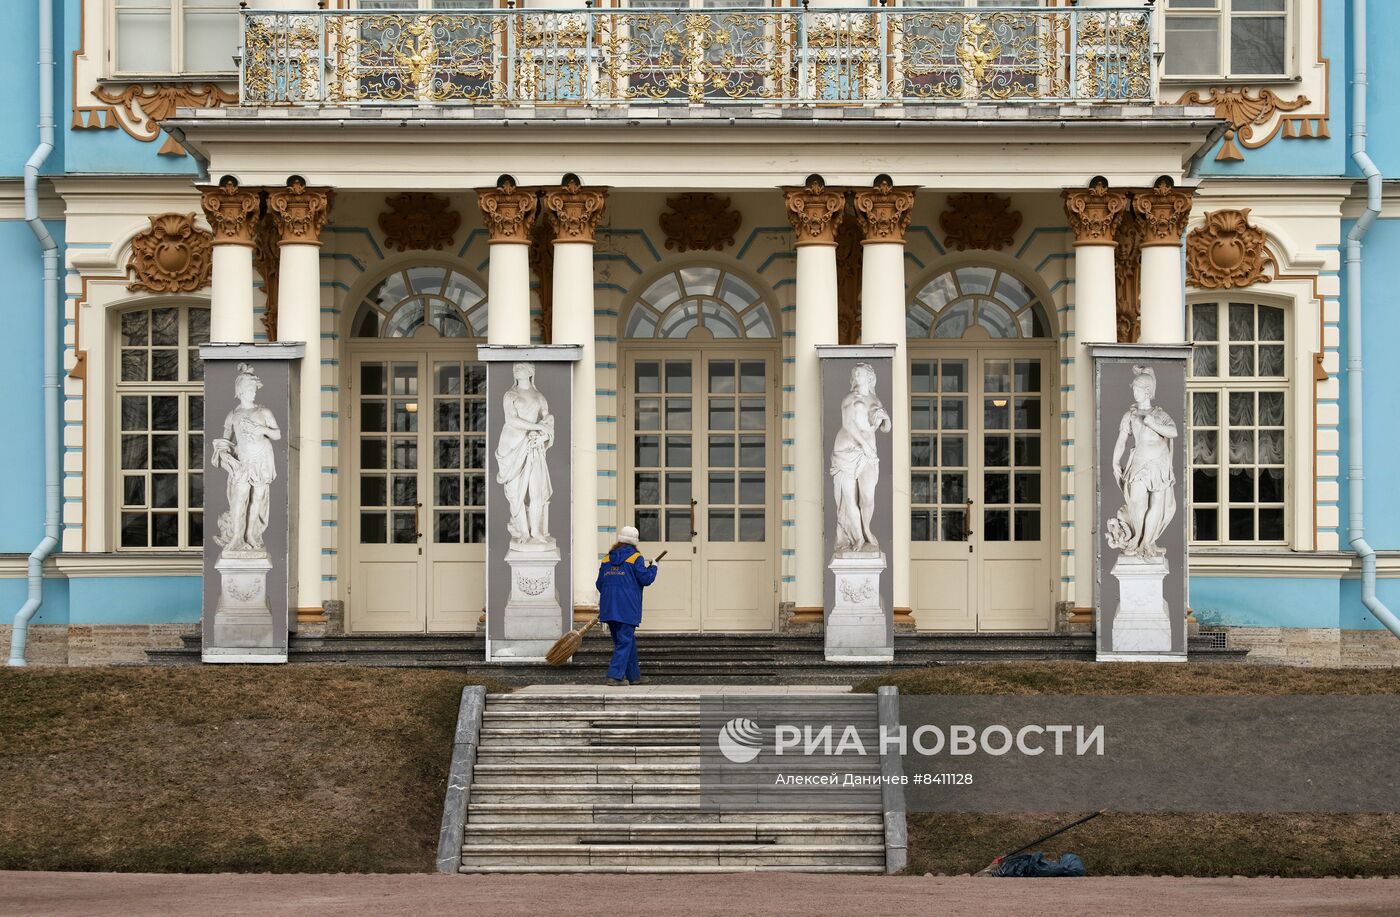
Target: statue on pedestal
[(855, 463), (521, 469), (246, 454), (1147, 481)]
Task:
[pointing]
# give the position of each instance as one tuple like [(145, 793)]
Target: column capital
[(814, 210), (299, 212), (1094, 212), (507, 211), (573, 211), (232, 212), (884, 210), (1162, 212)]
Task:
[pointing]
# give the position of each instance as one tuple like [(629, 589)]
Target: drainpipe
[(52, 520), (1356, 477)]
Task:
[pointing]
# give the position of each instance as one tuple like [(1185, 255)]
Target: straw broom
[(564, 648)]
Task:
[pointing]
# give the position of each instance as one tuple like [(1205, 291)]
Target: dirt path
[(51, 893)]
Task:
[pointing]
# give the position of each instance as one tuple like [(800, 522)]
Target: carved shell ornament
[(699, 222), (1226, 252), (172, 256)]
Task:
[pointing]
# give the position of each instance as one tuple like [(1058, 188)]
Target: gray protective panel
[(1113, 382)]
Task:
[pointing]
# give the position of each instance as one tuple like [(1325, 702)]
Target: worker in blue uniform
[(621, 578)]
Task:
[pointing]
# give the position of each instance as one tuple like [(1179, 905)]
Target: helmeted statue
[(1148, 481), (245, 452)]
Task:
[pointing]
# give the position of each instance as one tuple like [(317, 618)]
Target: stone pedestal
[(1141, 623), (533, 611), (242, 618), (858, 625)]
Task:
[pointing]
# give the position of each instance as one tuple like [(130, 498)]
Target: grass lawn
[(1200, 844), (224, 768)]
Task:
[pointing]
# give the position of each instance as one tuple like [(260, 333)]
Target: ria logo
[(740, 740)]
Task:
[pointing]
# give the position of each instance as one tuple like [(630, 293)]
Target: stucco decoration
[(1094, 213), (232, 212), (1127, 278), (815, 211), (1245, 110), (172, 256), (979, 221), (1162, 213), (884, 210), (1226, 252), (855, 463), (140, 108), (542, 266), (573, 210), (849, 271), (267, 261), (521, 466), (418, 221), (700, 222), (245, 454), (507, 211), (299, 212)]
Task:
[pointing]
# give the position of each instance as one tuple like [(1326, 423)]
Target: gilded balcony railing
[(775, 56)]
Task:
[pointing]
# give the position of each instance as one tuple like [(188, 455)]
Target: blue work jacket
[(621, 579)]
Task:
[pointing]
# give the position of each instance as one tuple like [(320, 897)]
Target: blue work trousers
[(624, 658)]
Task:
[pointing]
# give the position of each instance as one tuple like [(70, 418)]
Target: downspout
[(52, 520), (1356, 477)]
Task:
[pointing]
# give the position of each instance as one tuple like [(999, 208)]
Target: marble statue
[(1147, 481), (521, 468), (245, 453), (855, 463)]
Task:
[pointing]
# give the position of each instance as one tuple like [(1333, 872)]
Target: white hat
[(628, 534)]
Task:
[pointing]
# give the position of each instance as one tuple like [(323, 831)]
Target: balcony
[(768, 57)]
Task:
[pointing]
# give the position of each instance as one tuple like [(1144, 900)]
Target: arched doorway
[(982, 496), (699, 452), (415, 408)]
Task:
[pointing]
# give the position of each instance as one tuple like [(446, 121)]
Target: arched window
[(160, 428), (1239, 412), (427, 295), (976, 296), (700, 296)]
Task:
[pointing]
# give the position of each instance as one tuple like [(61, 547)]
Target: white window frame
[(177, 46), (185, 462), (1223, 384), (1225, 13)]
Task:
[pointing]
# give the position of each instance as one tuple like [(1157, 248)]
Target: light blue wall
[(1246, 601), (19, 72), (111, 599)]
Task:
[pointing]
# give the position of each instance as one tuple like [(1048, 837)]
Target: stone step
[(594, 754), (673, 854), (486, 774), (516, 869), (832, 832), (510, 813), (650, 793), (593, 736)]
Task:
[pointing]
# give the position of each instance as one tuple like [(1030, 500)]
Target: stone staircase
[(608, 780)]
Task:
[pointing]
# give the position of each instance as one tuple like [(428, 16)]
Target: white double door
[(417, 497), (981, 493), (698, 479)]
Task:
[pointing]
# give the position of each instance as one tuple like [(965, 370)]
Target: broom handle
[(1056, 832)]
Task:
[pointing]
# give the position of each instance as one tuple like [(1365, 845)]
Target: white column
[(573, 324), (1094, 214), (231, 295), (882, 309), (508, 293), (1162, 213), (300, 213), (816, 324)]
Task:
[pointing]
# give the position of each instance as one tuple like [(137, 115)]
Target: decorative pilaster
[(815, 212), (1094, 215), (1162, 214), (573, 213), (1127, 275), (883, 212), (299, 214), (232, 213), (509, 215)]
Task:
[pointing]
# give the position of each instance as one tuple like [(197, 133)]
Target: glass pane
[(649, 524), (1205, 447), (953, 376), (374, 417), (374, 528), (134, 416), (1257, 44), (448, 452), (678, 452), (751, 414), (921, 525), (996, 525), (677, 525), (721, 525), (133, 490), (404, 530), (1270, 524), (1027, 488), (1027, 375), (405, 489), (722, 488), (721, 377), (143, 40), (475, 379), (1242, 525), (647, 488), (1271, 360), (921, 451), (165, 490), (476, 528), (921, 414), (405, 379), (1205, 485), (953, 451), (135, 328), (405, 454), (721, 413), (1242, 485), (1205, 524), (751, 525), (447, 416), (648, 413), (1271, 485), (721, 452), (1205, 409), (997, 414), (1193, 45), (165, 530), (648, 377), (996, 451), (751, 451), (476, 490), (1241, 409), (1241, 447), (165, 365), (1027, 450), (1027, 525), (678, 488), (954, 487), (1241, 321), (1204, 322), (1205, 361), (921, 378), (953, 414), (165, 327), (647, 451), (996, 488), (751, 488), (374, 490), (677, 375), (997, 376), (1271, 409), (1027, 414), (372, 379), (448, 528), (373, 453), (449, 490), (678, 413), (165, 452), (751, 376), (954, 525)]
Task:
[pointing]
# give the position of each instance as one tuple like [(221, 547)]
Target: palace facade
[(699, 195)]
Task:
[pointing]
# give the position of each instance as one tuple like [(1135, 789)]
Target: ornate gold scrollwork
[(1244, 113), (139, 109)]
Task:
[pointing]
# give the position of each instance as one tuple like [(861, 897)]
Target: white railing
[(776, 57)]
